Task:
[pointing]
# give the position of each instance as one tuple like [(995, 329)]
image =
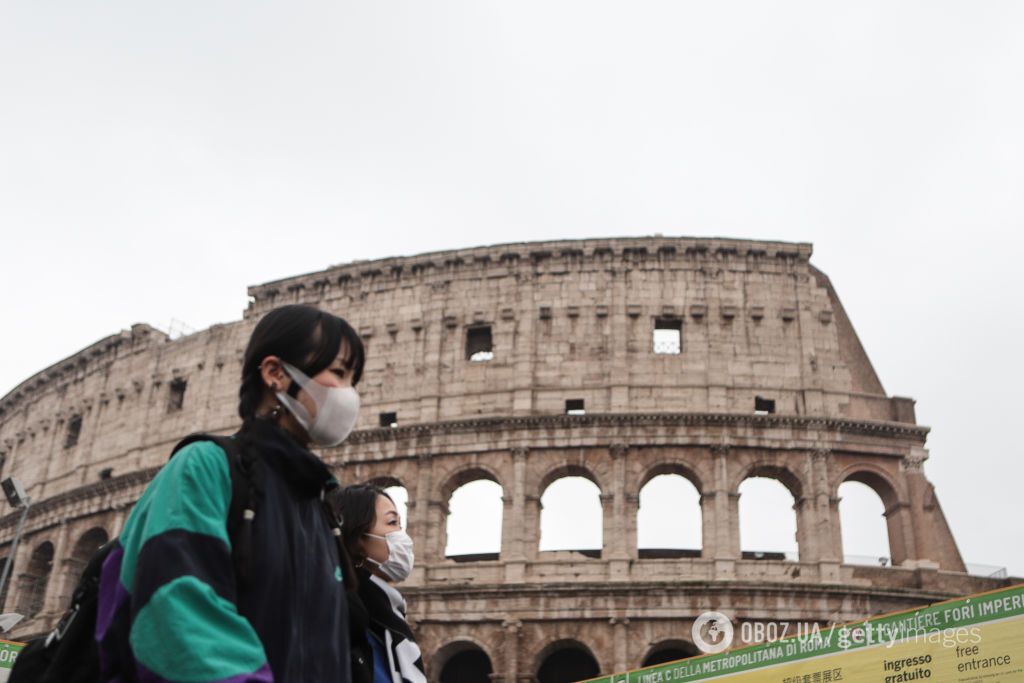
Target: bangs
[(330, 336)]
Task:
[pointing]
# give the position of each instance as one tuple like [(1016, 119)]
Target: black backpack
[(68, 654)]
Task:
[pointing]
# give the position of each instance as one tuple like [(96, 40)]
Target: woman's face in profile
[(385, 521)]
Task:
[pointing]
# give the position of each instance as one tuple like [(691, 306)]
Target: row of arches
[(668, 518), (37, 580), (563, 661)]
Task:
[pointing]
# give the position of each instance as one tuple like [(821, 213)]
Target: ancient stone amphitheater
[(616, 360)]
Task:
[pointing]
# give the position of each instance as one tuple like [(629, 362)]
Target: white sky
[(156, 158)]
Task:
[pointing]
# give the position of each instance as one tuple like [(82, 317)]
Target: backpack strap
[(244, 494)]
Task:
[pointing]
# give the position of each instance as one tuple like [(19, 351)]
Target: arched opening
[(571, 517), (863, 525), (473, 529), (398, 494), (768, 523), (87, 545), (567, 662), (33, 584), (668, 523), (669, 651), (469, 665)]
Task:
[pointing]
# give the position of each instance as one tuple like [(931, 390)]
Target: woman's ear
[(273, 374)]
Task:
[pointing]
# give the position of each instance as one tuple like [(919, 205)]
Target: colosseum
[(612, 360)]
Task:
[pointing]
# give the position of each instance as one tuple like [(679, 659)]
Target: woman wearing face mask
[(383, 555), (190, 593)]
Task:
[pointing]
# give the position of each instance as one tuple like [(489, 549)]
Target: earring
[(275, 412)]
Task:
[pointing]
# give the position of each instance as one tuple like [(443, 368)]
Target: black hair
[(356, 506), (303, 336)]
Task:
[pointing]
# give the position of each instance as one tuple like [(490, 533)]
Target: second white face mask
[(400, 560), (337, 409)]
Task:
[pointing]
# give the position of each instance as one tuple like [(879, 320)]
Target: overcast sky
[(157, 158)]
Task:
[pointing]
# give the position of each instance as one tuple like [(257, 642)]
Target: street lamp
[(17, 497)]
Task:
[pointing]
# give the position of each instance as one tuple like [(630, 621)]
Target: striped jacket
[(170, 607)]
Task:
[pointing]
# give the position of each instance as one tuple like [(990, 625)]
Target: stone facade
[(567, 321)]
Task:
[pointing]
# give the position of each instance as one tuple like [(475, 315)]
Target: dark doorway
[(567, 665), (468, 666), (669, 653)]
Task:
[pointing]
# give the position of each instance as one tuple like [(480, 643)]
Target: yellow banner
[(976, 639)]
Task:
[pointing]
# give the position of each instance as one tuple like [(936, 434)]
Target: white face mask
[(400, 560), (336, 409)]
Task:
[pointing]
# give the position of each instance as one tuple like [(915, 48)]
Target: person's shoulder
[(201, 462)]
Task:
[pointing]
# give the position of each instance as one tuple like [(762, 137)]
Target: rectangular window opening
[(764, 406), (74, 430), (389, 419), (668, 336), (479, 344), (574, 406), (176, 397)]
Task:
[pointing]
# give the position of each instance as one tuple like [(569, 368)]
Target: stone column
[(837, 525), (632, 519), (726, 517), (514, 530), (708, 524), (825, 530), (55, 581), (619, 340), (513, 629), (616, 516), (620, 655), (806, 544), (531, 526), (421, 522), (524, 352), (930, 533), (900, 526)]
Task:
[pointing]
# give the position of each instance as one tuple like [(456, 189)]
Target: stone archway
[(566, 661)]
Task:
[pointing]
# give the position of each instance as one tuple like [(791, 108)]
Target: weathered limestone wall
[(569, 320)]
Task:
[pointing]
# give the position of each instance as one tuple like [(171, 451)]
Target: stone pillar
[(619, 341), (932, 538), (726, 517), (531, 527), (826, 531), (616, 517), (907, 521), (15, 575), (900, 526), (513, 628), (837, 525), (524, 350), (806, 544), (55, 581), (708, 525), (422, 524), (620, 655), (632, 519), (514, 529)]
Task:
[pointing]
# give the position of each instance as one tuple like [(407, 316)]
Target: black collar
[(305, 473)]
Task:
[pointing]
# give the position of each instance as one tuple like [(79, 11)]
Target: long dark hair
[(305, 337), (356, 505)]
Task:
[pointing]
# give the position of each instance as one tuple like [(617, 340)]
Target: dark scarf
[(305, 473), (388, 623)]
